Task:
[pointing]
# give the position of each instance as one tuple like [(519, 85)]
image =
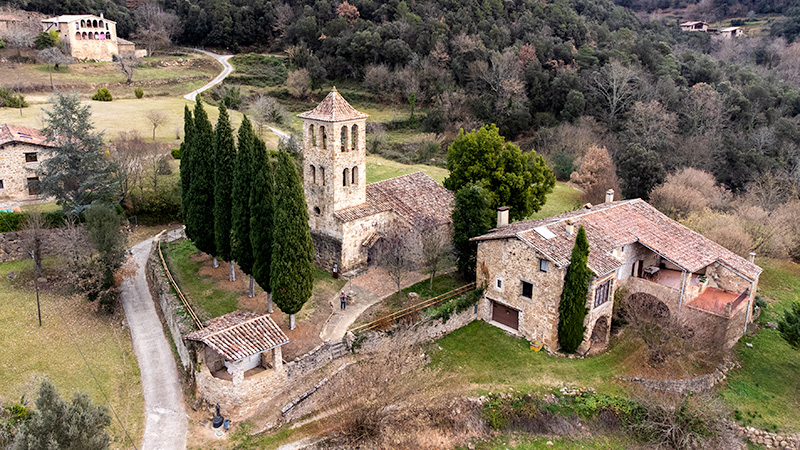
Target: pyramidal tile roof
[(333, 109)]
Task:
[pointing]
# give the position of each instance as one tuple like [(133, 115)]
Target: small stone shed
[(239, 345)]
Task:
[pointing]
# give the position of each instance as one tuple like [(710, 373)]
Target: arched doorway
[(600, 331)]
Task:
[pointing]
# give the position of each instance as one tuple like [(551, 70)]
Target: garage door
[(505, 315)]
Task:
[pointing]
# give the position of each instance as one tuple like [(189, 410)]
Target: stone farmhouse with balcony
[(20, 154), (88, 37), (632, 246), (347, 216)]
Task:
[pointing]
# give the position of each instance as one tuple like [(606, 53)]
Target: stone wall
[(669, 296), (327, 251), (12, 245), (701, 383), (767, 439), (14, 171), (242, 400), (315, 359), (173, 312)]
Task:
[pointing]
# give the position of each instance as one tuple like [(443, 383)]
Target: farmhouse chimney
[(502, 216), (609, 196), (101, 16), (752, 257), (570, 226)]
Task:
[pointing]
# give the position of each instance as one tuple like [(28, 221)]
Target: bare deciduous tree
[(395, 254), (20, 36), (265, 109), (157, 28), (53, 57), (435, 245), (128, 150), (156, 118), (127, 64), (299, 83), (596, 175), (615, 84)]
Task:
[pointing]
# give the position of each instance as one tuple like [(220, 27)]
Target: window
[(601, 293), (354, 137), (499, 284), (313, 174), (322, 175), (527, 289), (313, 134), (317, 210), (31, 157), (345, 176), (354, 176), (33, 186), (543, 265), (344, 139), (324, 137), (1, 184)]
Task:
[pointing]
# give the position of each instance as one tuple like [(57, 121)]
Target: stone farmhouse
[(696, 26), (632, 246), (88, 37), (20, 154), (347, 216)]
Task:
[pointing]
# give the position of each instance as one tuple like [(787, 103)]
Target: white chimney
[(502, 216), (570, 226), (609, 196), (752, 257), (101, 16)]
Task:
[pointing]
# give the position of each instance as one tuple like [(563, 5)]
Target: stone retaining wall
[(12, 245), (173, 311), (767, 439), (701, 383)]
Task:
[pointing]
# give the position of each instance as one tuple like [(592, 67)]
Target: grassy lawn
[(207, 299), (563, 198), (488, 360), (379, 168), (126, 115), (526, 442), (29, 353), (765, 389)]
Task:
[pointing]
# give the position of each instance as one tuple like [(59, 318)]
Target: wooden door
[(505, 315)]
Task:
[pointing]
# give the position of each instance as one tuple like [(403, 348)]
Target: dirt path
[(227, 68), (165, 417), (370, 288)]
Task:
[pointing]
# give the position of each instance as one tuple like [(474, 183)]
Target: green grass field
[(563, 198), (765, 389), (29, 353), (379, 168), (526, 442)]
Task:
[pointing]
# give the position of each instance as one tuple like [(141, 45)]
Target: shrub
[(562, 166), (102, 95), (44, 40), (138, 92), (455, 306), (10, 100), (2, 43), (789, 325), (176, 153), (229, 95)]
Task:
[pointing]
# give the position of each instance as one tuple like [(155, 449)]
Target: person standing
[(342, 301)]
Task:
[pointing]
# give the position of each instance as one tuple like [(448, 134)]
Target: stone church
[(347, 216)]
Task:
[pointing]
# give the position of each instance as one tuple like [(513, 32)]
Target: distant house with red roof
[(20, 154), (632, 246)]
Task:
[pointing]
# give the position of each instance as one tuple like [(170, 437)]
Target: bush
[(176, 153), (455, 306), (102, 95), (2, 43), (229, 95), (10, 100), (44, 40), (789, 325), (562, 166), (138, 92)]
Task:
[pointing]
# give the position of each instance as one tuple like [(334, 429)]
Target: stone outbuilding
[(632, 245), (89, 37), (347, 216), (21, 151), (240, 358)]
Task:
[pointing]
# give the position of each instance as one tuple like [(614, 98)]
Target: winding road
[(227, 68), (166, 422)]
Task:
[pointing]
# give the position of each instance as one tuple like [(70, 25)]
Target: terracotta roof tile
[(334, 108), (240, 334), (410, 196), (610, 225), (23, 135)]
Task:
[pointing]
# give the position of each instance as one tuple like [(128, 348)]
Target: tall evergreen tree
[(572, 309), (225, 156), (641, 170), (472, 217), (201, 189), (292, 271), (261, 215), (76, 171), (186, 163), (242, 183)]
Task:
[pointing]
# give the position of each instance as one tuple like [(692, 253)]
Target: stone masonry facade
[(86, 37), (18, 164)]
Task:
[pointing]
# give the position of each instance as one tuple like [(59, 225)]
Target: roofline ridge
[(404, 175), (258, 316)]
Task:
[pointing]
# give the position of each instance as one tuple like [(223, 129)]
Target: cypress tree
[(225, 155), (186, 162), (292, 271), (261, 215), (201, 188), (242, 183), (572, 309)]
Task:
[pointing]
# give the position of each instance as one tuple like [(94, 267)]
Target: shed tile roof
[(240, 334), (333, 108), (24, 135), (410, 196), (610, 225)]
